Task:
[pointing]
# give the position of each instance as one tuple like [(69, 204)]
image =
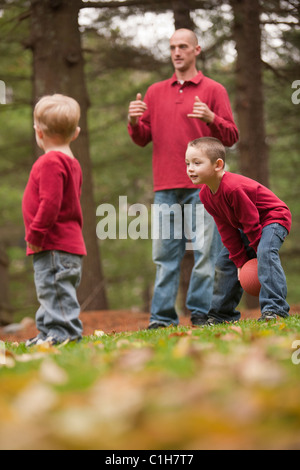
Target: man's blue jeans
[(180, 226), (57, 275), (228, 291)]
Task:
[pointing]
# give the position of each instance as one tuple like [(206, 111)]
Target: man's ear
[(198, 50)]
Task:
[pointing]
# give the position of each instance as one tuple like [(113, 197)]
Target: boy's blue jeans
[(228, 291), (57, 275), (168, 252)]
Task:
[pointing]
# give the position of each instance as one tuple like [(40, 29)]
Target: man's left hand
[(202, 111)]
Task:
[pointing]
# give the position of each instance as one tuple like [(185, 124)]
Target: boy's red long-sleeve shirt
[(242, 203), (51, 205), (167, 125)]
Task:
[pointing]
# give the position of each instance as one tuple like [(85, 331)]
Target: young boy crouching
[(252, 221)]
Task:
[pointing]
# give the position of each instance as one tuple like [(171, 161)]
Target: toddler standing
[(53, 221)]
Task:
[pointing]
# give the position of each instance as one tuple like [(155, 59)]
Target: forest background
[(115, 49)]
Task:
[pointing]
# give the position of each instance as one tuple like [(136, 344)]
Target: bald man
[(173, 113)]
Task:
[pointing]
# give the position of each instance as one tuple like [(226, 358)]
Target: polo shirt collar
[(196, 80)]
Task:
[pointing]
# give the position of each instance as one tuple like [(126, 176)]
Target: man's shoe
[(156, 324), (268, 316), (214, 321), (199, 321)]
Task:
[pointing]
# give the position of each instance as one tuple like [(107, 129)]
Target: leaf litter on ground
[(225, 387)]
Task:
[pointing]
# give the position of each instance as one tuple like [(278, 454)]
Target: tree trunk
[(254, 156), (182, 16), (6, 315), (58, 67)]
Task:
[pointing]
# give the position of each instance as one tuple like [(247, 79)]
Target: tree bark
[(254, 157), (182, 16), (6, 315), (58, 67)]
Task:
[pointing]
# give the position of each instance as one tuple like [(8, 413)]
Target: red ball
[(249, 278)]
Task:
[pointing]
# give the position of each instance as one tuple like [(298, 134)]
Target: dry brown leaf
[(180, 333), (33, 401), (51, 373), (135, 359)]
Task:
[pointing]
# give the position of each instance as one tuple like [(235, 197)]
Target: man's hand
[(136, 110), (202, 111), (35, 249)]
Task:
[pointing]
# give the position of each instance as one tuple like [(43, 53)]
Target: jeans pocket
[(70, 267)]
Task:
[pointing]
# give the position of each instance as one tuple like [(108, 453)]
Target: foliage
[(223, 387), (116, 70)]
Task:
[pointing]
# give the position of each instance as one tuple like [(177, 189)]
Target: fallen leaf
[(99, 333), (237, 329), (50, 372), (182, 347), (180, 333), (135, 360), (36, 399)]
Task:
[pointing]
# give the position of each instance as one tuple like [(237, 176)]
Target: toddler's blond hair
[(57, 115)]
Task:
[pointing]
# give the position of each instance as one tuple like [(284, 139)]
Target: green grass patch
[(232, 386)]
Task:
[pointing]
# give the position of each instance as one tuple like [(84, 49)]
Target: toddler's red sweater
[(51, 205)]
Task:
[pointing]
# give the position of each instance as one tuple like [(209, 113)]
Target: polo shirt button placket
[(180, 96)]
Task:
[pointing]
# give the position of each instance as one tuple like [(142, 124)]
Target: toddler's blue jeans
[(57, 275)]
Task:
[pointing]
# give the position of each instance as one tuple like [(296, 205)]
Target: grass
[(221, 387)]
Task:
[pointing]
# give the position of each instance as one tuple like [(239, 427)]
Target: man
[(174, 112)]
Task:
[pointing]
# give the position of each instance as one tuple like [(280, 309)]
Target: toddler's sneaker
[(39, 340), (35, 341)]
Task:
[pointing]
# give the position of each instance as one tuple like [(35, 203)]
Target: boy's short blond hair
[(212, 147), (57, 115)]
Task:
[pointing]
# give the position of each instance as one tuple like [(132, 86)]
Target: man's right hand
[(136, 110)]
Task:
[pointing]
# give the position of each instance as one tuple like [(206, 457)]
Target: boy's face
[(199, 167)]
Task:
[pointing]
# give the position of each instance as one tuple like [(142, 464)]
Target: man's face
[(184, 51)]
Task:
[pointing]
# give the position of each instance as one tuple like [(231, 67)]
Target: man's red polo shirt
[(167, 125)]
